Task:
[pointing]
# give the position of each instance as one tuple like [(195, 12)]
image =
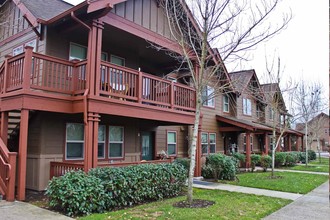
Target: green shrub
[(311, 155), (280, 159), (240, 158), (296, 156), (255, 159), (265, 162), (302, 157), (185, 162), (290, 159), (221, 167), (125, 186), (75, 193)]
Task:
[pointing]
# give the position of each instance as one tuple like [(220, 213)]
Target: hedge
[(219, 166), (77, 193)]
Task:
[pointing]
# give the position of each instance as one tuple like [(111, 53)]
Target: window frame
[(116, 142), (74, 141), (271, 113), (246, 110), (76, 58), (102, 142), (118, 57), (225, 103), (208, 102), (174, 143), (208, 142), (215, 143)]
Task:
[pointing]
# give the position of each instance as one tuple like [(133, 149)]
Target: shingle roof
[(241, 79), (46, 9)]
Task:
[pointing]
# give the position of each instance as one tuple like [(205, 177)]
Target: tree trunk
[(193, 152), (306, 143), (273, 152), (319, 148)]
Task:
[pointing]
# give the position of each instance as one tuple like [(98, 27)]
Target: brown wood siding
[(15, 22), (182, 142), (240, 114), (145, 13)]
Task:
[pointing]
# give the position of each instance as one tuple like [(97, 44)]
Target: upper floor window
[(117, 60), (171, 143), (20, 48), (74, 147), (208, 143), (271, 113), (247, 107), (208, 96), (225, 99), (258, 111), (78, 52)]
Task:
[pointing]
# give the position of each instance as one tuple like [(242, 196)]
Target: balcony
[(43, 75)]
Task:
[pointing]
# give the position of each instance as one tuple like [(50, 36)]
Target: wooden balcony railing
[(7, 172), (35, 71), (60, 168)]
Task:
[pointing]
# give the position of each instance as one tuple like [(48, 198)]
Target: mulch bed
[(197, 203)]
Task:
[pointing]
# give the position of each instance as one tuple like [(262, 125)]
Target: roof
[(46, 9), (272, 89), (241, 80), (243, 124)]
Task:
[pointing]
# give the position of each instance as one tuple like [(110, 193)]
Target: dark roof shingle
[(46, 9)]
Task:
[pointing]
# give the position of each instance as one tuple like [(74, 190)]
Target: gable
[(11, 20), (145, 13)]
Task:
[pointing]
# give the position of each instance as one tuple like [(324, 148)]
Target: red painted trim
[(15, 36), (26, 13), (137, 30)]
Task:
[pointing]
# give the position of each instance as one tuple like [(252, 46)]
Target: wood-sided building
[(81, 86)]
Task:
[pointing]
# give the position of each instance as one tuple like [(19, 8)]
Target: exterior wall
[(240, 115), (182, 139), (46, 142), (145, 13)]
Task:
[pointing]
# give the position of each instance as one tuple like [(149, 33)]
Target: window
[(251, 143), (101, 142), (18, 50), (271, 113), (225, 99), (247, 107), (258, 111), (208, 143), (117, 60), (207, 94), (77, 52), (74, 141), (171, 143), (116, 142)]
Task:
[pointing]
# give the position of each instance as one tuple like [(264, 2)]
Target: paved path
[(314, 206), (249, 190), (26, 211), (301, 171)]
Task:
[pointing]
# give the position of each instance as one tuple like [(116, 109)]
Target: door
[(147, 146)]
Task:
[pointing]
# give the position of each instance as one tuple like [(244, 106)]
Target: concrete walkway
[(25, 211), (314, 205), (248, 190), (301, 171)]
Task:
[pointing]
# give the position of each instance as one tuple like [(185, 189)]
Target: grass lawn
[(324, 161), (309, 167), (290, 182), (228, 205)]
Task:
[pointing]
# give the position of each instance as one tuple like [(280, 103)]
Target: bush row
[(220, 167), (77, 193)]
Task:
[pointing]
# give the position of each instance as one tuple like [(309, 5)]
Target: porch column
[(4, 127), (248, 150), (91, 141), (266, 143), (198, 167), (96, 121), (289, 142), (98, 26), (22, 154)]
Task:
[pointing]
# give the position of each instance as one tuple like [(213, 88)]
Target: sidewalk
[(301, 171), (314, 205), (248, 190), (25, 211)]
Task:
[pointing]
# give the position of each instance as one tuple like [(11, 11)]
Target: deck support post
[(4, 127), (266, 143), (22, 154), (91, 141), (289, 142), (248, 149)]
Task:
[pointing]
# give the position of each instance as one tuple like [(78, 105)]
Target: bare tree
[(308, 103), (235, 26)]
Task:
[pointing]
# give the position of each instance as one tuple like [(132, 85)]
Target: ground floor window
[(74, 147), (116, 142), (171, 143), (208, 143), (101, 142)]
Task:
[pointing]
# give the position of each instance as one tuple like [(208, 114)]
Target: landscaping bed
[(228, 205)]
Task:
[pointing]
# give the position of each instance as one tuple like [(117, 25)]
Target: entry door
[(147, 146)]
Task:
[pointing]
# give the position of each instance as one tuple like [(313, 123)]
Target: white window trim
[(174, 143), (75, 141), (225, 103), (102, 142), (209, 102), (246, 109), (215, 143), (205, 143), (116, 142), (18, 50)]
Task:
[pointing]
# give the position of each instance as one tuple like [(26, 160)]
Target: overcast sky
[(303, 46)]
